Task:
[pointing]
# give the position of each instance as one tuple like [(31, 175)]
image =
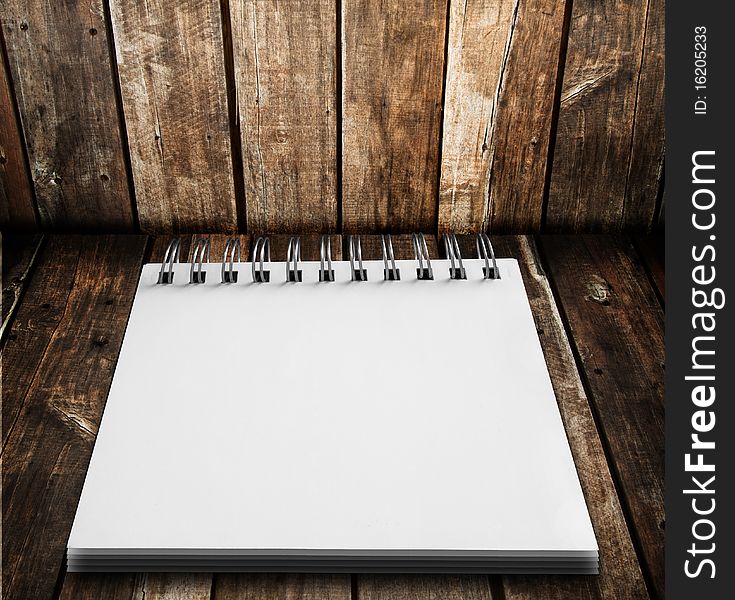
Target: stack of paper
[(392, 426)]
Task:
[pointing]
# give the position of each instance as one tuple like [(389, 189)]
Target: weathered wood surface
[(172, 79), (477, 54), (651, 250), (522, 127), (17, 206), (646, 163), (608, 117), (393, 62), (285, 71), (61, 401), (65, 313), (59, 58), (616, 325), (18, 257)]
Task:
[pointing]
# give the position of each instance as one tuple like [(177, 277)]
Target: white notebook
[(332, 425)]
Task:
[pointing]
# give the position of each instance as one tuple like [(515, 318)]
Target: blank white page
[(344, 417)]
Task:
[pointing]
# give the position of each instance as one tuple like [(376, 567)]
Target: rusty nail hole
[(57, 180), (23, 26), (104, 177), (92, 31), (45, 305), (598, 371), (108, 302)]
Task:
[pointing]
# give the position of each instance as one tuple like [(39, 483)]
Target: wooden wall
[(331, 115)]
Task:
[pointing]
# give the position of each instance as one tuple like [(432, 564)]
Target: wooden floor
[(598, 305)]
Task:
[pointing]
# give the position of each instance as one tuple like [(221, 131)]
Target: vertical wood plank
[(423, 587), (597, 116), (18, 257), (59, 59), (285, 73), (48, 450), (522, 126), (17, 206), (477, 52), (285, 586), (392, 93), (646, 163), (172, 78), (616, 323)]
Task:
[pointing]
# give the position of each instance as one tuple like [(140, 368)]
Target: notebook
[(332, 416)]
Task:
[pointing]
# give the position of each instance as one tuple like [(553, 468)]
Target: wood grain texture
[(651, 250), (17, 205), (172, 78), (60, 63), (19, 253), (597, 116), (423, 587), (620, 575), (48, 450), (616, 324), (646, 162), (521, 134), (286, 586), (285, 72), (393, 61), (98, 586), (477, 53)]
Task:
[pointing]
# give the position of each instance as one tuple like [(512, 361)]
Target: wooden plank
[(616, 324), (646, 162), (597, 116), (98, 586), (47, 452), (19, 254), (651, 250), (521, 132), (17, 206), (60, 64), (35, 323), (285, 72), (286, 586), (423, 587), (477, 54), (406, 587), (392, 95), (172, 79), (272, 586), (620, 575)]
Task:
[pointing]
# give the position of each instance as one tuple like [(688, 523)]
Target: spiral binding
[(201, 251), (485, 248), (358, 272), (456, 269), (261, 253), (171, 256), (325, 256), (392, 272), (294, 274), (231, 254), (355, 246), (421, 254)]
